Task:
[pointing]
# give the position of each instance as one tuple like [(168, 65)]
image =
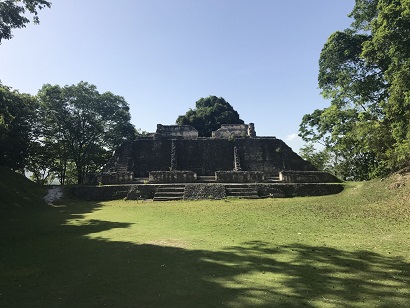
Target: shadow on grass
[(46, 262)]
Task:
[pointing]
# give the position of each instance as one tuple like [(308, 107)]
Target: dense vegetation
[(63, 131), (365, 73), (209, 114)]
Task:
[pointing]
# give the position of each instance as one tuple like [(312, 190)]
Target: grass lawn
[(346, 250)]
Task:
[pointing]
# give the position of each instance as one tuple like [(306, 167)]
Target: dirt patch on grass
[(400, 179)]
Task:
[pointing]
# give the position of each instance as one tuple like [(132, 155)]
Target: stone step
[(171, 189), (234, 188), (241, 191), (169, 193)]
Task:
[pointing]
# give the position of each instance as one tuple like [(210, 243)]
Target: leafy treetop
[(209, 114), (365, 73), (13, 14)]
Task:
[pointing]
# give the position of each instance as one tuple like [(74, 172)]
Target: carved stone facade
[(175, 154), (176, 131), (229, 131)]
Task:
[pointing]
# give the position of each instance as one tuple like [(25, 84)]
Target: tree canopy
[(365, 73), (17, 122), (209, 114), (81, 126), (14, 14)]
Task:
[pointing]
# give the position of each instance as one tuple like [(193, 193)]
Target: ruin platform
[(196, 191)]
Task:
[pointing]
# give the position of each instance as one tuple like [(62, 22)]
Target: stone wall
[(204, 191), (297, 190), (307, 177), (230, 131), (107, 178), (239, 176), (172, 177), (112, 192), (176, 131), (205, 156)]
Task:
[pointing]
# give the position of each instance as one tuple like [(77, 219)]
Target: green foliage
[(322, 160), (364, 72), (13, 15), (209, 114), (40, 162), (17, 123), (64, 131), (81, 127)]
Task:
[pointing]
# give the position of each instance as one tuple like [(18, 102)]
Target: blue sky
[(163, 55)]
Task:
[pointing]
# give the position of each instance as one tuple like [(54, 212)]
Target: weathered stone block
[(231, 131), (307, 177), (176, 131), (204, 191), (176, 176), (239, 176)]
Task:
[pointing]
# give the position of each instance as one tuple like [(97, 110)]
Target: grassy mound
[(17, 191)]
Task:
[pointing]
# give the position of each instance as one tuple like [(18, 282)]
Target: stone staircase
[(121, 159), (241, 191), (169, 193), (124, 158)]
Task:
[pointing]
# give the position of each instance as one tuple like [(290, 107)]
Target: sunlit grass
[(345, 250)]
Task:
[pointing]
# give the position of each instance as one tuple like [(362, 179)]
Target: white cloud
[(291, 137)]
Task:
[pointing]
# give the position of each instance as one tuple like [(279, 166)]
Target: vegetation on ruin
[(347, 250), (209, 114), (364, 73)]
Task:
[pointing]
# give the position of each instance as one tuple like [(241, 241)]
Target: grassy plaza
[(345, 250)]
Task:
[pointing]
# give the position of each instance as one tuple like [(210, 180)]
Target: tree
[(13, 14), (209, 114), (17, 122), (364, 72), (39, 163), (82, 127), (320, 159)]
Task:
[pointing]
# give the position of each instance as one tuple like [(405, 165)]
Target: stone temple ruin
[(174, 163)]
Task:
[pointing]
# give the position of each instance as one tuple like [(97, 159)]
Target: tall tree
[(13, 14), (17, 120), (209, 114), (82, 126), (364, 72)]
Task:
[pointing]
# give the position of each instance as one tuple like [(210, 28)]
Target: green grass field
[(346, 250)]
